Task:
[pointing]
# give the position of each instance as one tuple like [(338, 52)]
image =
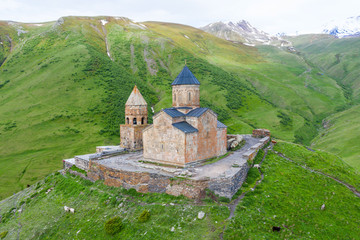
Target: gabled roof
[(197, 112), (185, 127), (221, 125), (185, 77), (135, 98), (183, 107), (172, 112)]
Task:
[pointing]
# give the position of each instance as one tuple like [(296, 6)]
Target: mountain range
[(243, 32), (350, 27)]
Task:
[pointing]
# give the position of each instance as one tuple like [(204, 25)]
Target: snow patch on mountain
[(243, 32), (349, 27)]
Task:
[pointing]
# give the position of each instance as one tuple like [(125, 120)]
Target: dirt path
[(348, 186)]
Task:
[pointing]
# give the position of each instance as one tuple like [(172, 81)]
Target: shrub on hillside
[(144, 216), (224, 199), (113, 225), (3, 234)]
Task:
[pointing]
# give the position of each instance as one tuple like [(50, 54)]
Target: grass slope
[(339, 59), (289, 197), (45, 108), (341, 136)]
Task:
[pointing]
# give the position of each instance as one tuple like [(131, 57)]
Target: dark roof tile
[(185, 127), (182, 107), (221, 125), (172, 112), (197, 112), (185, 77)]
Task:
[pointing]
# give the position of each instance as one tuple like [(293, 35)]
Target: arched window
[(127, 120), (189, 96), (142, 121), (134, 121), (174, 96)]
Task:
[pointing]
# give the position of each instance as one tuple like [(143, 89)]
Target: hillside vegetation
[(340, 60), (341, 136), (289, 197), (62, 93)]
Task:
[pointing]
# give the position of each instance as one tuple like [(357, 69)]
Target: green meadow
[(289, 197)]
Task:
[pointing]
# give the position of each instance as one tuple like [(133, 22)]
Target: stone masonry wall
[(131, 136), (207, 136), (81, 163), (186, 96), (221, 138), (228, 186), (261, 133), (147, 182), (138, 112), (164, 143)]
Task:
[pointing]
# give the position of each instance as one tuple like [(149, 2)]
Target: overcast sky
[(273, 16)]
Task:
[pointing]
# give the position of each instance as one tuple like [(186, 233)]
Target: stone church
[(181, 135)]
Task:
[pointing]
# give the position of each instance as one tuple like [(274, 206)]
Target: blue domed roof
[(185, 77)]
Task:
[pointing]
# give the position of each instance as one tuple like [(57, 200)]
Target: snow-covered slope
[(350, 27), (243, 32)]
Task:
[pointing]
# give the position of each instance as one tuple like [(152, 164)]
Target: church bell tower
[(136, 119)]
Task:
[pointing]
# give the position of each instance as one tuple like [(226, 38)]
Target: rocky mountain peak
[(243, 32), (350, 27)]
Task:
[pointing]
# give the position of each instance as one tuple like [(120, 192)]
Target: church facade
[(181, 135), (186, 133)]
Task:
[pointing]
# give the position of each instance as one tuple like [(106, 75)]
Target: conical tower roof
[(185, 77), (135, 98)]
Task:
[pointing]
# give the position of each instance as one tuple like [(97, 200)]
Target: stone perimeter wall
[(153, 182), (147, 182)]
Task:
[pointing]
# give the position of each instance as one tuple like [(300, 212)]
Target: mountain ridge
[(350, 27), (242, 31)]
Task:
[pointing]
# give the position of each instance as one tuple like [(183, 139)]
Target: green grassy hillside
[(340, 60), (280, 77), (61, 93), (289, 197), (341, 136)]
